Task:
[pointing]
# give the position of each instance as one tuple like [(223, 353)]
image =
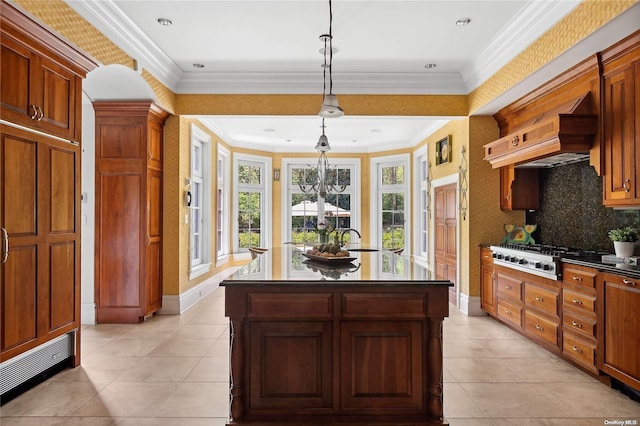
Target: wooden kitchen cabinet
[(355, 351), (579, 319), (487, 282), (619, 333), (40, 89), (39, 198), (519, 188), (621, 128), (128, 259)]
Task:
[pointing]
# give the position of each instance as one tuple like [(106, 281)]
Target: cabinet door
[(57, 99), (18, 86), (18, 277), (619, 133), (519, 188), (488, 289), (290, 365), (622, 328), (381, 366)]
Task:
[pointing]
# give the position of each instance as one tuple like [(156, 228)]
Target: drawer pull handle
[(627, 185), (35, 112), (508, 312), (539, 328), (507, 287), (539, 299), (576, 349), (628, 281), (577, 302), (576, 324), (576, 278)]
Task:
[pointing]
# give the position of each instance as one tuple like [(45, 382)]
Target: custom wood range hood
[(558, 136)]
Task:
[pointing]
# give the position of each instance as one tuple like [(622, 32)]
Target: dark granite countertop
[(595, 261), (289, 265)]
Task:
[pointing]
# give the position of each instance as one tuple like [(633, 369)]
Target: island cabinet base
[(336, 354)]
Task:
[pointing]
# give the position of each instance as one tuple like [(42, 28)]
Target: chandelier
[(323, 179)]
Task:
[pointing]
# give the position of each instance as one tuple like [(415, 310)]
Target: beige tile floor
[(173, 371)]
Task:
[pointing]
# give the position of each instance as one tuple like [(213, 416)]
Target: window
[(389, 228), (200, 203), (340, 208), (253, 190), (423, 204), (222, 204)]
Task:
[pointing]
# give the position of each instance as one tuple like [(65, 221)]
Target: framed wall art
[(443, 150)]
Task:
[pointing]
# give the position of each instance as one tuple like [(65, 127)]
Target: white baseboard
[(88, 313), (177, 304), (470, 306)]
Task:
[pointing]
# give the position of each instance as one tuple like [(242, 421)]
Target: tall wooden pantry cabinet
[(128, 260), (40, 132)]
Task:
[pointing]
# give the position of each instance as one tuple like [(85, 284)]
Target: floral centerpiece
[(324, 230)]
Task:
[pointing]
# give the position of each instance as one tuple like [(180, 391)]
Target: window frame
[(354, 191), (422, 188), (264, 188), (201, 138), (223, 212), (377, 163)]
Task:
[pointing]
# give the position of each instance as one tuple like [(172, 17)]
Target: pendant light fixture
[(330, 106)]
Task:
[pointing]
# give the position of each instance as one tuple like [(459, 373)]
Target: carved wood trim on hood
[(566, 129)]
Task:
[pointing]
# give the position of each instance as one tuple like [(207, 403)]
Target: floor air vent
[(25, 366)]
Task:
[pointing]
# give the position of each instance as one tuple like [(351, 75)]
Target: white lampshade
[(330, 107)]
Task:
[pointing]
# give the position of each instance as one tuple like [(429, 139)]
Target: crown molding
[(531, 23), (296, 83), (109, 19)]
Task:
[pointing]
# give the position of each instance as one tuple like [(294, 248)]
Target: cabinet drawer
[(383, 305), (541, 298), (509, 286), (510, 312), (580, 301), (577, 277), (579, 351), (290, 305), (542, 328), (579, 324), (486, 256)]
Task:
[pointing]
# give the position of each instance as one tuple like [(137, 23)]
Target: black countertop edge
[(631, 271), (351, 283)]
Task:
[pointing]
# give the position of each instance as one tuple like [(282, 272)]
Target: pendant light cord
[(330, 49)]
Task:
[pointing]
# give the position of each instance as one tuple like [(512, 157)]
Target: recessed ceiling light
[(463, 21), (376, 130), (269, 130), (429, 66), (198, 66), (164, 21)]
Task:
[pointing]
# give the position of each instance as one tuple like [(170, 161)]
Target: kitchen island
[(326, 343)]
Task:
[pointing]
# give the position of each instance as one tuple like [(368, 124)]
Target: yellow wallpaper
[(400, 105), (172, 206), (587, 17)]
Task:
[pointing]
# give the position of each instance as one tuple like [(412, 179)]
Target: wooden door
[(40, 280), (17, 89), (446, 250)]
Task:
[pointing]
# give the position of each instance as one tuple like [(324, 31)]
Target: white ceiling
[(264, 46)]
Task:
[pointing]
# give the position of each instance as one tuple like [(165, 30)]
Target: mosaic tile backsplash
[(571, 211)]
